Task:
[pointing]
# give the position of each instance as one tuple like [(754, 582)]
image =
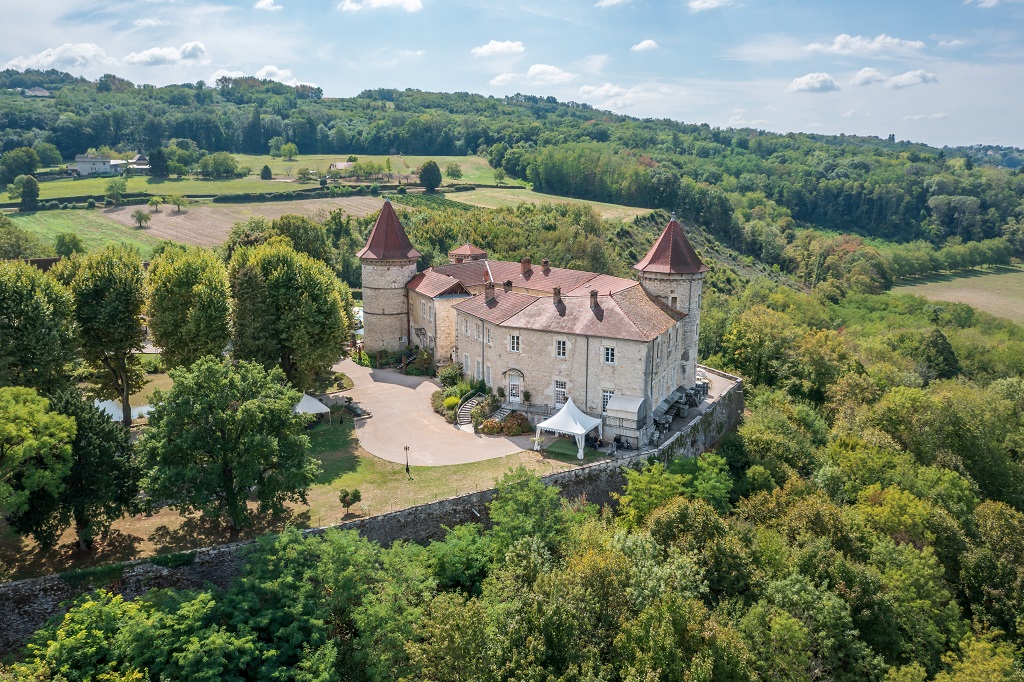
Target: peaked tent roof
[(388, 240), (310, 405), (672, 253), (570, 420)]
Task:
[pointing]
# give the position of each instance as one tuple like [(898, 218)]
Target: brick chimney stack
[(593, 299), (507, 285), (489, 291), (545, 263), (556, 294), (525, 263)]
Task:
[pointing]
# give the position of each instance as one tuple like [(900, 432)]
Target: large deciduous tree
[(288, 311), (224, 432), (430, 175), (109, 292), (35, 448), (189, 304), (37, 325), (101, 485), (29, 194)]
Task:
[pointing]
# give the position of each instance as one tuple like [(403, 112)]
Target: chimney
[(593, 299), (545, 263), (507, 285), (458, 259), (489, 291), (525, 263), (557, 294)]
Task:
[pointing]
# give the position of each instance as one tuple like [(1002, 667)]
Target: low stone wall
[(26, 605)]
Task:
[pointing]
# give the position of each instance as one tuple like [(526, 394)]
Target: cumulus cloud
[(702, 5), (356, 5), (538, 74), (220, 73), (150, 22), (814, 82), (498, 47), (861, 46), (869, 76), (280, 75), (925, 117), (158, 56), (645, 45), (268, 5), (68, 55)]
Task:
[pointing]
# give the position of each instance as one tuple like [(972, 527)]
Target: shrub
[(402, 190), (53, 205), (91, 203), (349, 497), (175, 560), (451, 403), (516, 424), (151, 364), (450, 375), (437, 399), (490, 427), (451, 391), (464, 387)]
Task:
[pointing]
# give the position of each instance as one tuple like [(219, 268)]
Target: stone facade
[(683, 293), (386, 304), (436, 317)]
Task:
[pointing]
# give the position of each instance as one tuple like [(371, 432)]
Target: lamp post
[(407, 463)]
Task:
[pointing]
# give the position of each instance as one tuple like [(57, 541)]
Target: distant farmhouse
[(36, 92), (99, 165), (544, 334)]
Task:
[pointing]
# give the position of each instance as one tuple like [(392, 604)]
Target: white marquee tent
[(571, 421), (310, 405)]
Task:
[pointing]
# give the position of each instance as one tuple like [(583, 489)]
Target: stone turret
[(388, 263), (673, 272)]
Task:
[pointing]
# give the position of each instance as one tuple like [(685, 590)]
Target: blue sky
[(942, 72)]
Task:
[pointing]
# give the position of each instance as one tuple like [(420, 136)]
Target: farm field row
[(998, 291)]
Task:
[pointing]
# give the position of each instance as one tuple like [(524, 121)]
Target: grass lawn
[(384, 486), (998, 291), (489, 197), (95, 229), (69, 187), (564, 449)]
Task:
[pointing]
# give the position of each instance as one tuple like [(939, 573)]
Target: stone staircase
[(465, 409), (501, 414)]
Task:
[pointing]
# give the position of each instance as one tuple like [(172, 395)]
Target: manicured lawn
[(384, 487), (95, 229), (489, 197), (998, 291), (56, 189), (565, 450)]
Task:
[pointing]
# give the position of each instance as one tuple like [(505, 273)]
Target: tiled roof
[(388, 240), (504, 305), (431, 283), (672, 253), (605, 284), (468, 250), (470, 273), (538, 277)]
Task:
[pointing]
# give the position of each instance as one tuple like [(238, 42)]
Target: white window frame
[(478, 332), (562, 392), (608, 354), (466, 329), (515, 343), (560, 347), (487, 374), (423, 308), (430, 313), (479, 370), (487, 334), (606, 395), (465, 364)]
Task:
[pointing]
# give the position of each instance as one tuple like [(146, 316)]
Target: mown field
[(490, 197), (999, 291)]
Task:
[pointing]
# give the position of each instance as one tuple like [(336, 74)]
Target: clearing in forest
[(498, 198), (998, 291)]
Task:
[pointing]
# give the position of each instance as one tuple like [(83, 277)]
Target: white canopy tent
[(112, 409), (310, 405), (571, 421)]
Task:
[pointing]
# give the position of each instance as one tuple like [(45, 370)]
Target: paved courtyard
[(401, 415)]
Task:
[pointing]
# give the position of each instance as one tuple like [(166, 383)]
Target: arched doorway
[(515, 386)]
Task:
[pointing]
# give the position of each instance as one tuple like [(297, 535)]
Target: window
[(478, 371), (513, 343), (423, 308), (657, 352), (609, 355), (430, 314), (606, 395), (487, 375), (465, 364), (559, 348), (467, 328), (487, 333), (661, 385), (430, 342), (478, 331), (559, 393), (674, 303)]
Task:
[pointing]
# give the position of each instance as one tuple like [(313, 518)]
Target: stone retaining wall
[(26, 605)]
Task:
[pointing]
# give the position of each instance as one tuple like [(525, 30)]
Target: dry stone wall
[(26, 605)]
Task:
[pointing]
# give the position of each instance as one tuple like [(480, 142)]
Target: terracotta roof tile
[(388, 240), (538, 277), (431, 283), (504, 305), (672, 253), (605, 284), (468, 250), (470, 273)]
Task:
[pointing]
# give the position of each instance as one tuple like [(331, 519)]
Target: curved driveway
[(401, 415)]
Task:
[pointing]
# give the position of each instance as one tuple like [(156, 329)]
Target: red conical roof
[(388, 240), (672, 253)]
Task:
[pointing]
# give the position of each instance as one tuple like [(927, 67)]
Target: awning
[(310, 405), (668, 402), (571, 421), (624, 407)]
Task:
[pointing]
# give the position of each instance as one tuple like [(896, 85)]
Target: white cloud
[(814, 82), (593, 63), (412, 53), (606, 90), (644, 45), (280, 75), (538, 74), (952, 42), (356, 5), (267, 5), (150, 22), (611, 3), (925, 117), (911, 78), (498, 47), (860, 46), (867, 76), (702, 5), (69, 55), (220, 73), (157, 56), (503, 78)]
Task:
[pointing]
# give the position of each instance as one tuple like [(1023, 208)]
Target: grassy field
[(998, 291), (94, 227), (384, 487), (497, 198)]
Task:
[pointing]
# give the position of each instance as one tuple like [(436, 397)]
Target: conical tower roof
[(388, 240), (672, 253)]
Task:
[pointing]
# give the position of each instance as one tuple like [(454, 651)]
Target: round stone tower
[(389, 262), (673, 272)]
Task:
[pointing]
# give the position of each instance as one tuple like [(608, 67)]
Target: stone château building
[(544, 334)]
